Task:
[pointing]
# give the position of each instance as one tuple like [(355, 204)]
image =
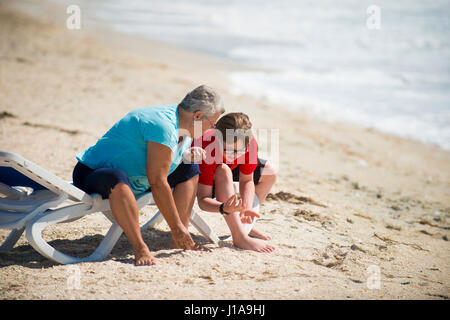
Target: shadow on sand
[(156, 240)]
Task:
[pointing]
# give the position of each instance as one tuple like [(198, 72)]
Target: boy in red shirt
[(228, 159)]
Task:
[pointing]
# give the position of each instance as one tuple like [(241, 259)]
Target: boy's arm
[(247, 189), (205, 200), (207, 203), (247, 192)]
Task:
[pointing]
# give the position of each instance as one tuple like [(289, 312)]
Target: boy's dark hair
[(239, 123)]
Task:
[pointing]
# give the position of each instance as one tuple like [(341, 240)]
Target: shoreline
[(168, 53), (385, 198)]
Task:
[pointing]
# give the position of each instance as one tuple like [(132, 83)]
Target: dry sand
[(346, 198)]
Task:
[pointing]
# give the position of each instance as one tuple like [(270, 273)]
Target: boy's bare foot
[(248, 243), (143, 257), (255, 233)]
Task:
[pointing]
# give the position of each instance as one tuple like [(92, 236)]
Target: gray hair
[(204, 99)]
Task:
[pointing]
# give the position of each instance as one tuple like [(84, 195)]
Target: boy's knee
[(223, 172), (270, 170), (269, 174)]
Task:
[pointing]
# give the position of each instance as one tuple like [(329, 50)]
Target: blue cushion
[(14, 178)]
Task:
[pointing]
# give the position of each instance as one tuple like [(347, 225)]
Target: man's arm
[(159, 158)]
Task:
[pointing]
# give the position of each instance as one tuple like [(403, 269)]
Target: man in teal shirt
[(143, 152), (124, 146)]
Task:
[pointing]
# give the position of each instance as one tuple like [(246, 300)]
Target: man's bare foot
[(143, 257), (255, 233), (248, 243)]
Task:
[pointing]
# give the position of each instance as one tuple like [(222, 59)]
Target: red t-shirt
[(247, 162)]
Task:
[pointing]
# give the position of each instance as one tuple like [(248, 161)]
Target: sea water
[(325, 57)]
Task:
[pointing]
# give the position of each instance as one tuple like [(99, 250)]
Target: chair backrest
[(37, 177)]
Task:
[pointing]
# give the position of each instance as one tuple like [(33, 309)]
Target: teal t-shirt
[(124, 146)]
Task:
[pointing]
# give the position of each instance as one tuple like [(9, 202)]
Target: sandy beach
[(348, 200)]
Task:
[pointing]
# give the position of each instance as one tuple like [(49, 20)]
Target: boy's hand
[(247, 216), (232, 205)]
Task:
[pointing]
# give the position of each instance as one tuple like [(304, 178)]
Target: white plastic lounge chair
[(21, 210)]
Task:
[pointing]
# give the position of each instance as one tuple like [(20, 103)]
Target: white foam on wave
[(430, 127), (324, 58)]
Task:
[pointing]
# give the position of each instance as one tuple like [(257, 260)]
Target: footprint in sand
[(314, 216), (6, 114), (330, 257), (292, 198), (47, 126)]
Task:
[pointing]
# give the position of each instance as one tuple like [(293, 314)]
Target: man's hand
[(182, 240)]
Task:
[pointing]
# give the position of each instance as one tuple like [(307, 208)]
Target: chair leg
[(74, 212), (19, 226), (153, 222), (13, 237), (39, 223), (196, 221), (107, 244), (203, 228)]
